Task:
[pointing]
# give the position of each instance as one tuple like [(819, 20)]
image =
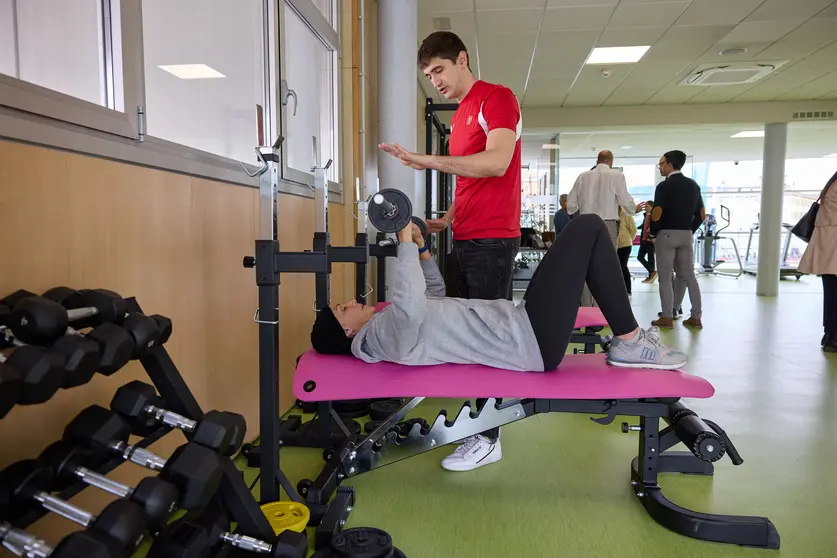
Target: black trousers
[(583, 252), (829, 304), (624, 255), (484, 271), (646, 256)]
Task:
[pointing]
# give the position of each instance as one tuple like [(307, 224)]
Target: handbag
[(804, 229)]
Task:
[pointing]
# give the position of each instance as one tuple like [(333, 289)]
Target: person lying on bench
[(422, 327)]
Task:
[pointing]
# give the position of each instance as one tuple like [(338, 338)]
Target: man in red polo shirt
[(485, 213)]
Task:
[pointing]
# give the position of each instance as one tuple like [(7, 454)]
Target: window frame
[(41, 116), (325, 32)]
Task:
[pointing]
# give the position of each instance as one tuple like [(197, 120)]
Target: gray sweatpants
[(613, 228), (675, 253)]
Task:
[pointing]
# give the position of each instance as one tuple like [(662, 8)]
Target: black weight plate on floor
[(370, 426), (382, 410), (352, 408), (397, 553), (362, 542), (352, 425)]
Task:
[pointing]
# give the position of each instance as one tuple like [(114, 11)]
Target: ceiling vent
[(441, 23), (730, 74), (814, 115)]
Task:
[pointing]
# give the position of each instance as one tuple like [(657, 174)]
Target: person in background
[(678, 212), (562, 216), (820, 258), (601, 191), (646, 247), (625, 243), (485, 155)]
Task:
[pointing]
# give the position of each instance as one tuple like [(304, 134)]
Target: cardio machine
[(706, 246), (785, 269)]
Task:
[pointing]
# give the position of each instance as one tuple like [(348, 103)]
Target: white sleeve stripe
[(518, 130)]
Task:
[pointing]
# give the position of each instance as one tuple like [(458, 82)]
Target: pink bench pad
[(578, 377), (587, 316), (590, 317)]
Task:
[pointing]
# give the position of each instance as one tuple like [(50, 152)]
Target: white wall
[(59, 45)]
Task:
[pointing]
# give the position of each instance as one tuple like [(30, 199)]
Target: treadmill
[(785, 269)]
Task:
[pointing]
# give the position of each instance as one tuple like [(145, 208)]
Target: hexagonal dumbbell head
[(97, 429), (82, 359), (222, 431), (87, 544), (130, 400), (290, 544), (181, 539), (144, 332), (10, 388), (196, 472), (42, 372), (164, 326), (116, 346)]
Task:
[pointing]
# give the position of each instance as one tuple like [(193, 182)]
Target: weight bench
[(582, 384), (588, 323)]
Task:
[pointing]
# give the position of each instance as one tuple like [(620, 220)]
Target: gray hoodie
[(422, 327)]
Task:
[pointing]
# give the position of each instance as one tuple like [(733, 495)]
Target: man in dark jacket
[(678, 212)]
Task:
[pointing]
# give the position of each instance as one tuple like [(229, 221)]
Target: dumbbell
[(11, 384), (360, 541), (390, 210), (41, 372), (139, 405), (86, 544), (24, 485), (156, 496), (40, 321), (193, 469), (204, 534), (81, 356), (98, 306)]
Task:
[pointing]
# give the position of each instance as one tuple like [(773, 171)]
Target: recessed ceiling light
[(192, 71), (617, 55), (627, 146), (749, 134), (732, 51), (550, 146), (830, 156)]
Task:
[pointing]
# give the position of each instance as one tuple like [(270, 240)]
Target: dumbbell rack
[(233, 494)]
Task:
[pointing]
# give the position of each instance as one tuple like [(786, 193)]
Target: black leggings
[(625, 255), (646, 256), (829, 304), (582, 252)]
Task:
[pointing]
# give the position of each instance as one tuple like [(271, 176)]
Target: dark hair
[(441, 44), (676, 159), (649, 202), (328, 337)]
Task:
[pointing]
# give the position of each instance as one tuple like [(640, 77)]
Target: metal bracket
[(286, 92), (609, 418), (369, 291), (258, 321)]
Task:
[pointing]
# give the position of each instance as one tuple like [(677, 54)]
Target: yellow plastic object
[(284, 516)]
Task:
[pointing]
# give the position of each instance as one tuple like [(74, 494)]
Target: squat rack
[(443, 195)]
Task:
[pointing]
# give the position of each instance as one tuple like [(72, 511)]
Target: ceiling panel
[(760, 31), (830, 11), (687, 42), (655, 14), (543, 91), (522, 20), (646, 79), (754, 51), (591, 89), (500, 4), (495, 57), (717, 12), (719, 93), (829, 96), (445, 5), (460, 22), (812, 90), (580, 3), (638, 36), (793, 76), (800, 10), (577, 18), (802, 41), (674, 94), (560, 54)]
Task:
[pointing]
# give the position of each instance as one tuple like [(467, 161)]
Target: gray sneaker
[(645, 351)]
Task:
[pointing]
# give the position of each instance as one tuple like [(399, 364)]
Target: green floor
[(562, 486)]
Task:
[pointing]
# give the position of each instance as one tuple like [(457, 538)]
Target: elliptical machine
[(706, 246)]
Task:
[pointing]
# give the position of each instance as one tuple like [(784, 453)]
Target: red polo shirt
[(486, 207)]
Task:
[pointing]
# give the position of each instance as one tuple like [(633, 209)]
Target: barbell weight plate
[(284, 516), (362, 542), (403, 211), (420, 224), (351, 408), (382, 410)]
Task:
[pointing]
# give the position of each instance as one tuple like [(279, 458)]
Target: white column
[(398, 96), (770, 220)]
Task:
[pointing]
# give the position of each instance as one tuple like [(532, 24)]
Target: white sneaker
[(474, 452)]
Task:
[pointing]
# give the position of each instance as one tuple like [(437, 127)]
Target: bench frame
[(384, 446)]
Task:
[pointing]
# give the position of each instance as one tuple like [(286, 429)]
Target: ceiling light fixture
[(617, 55), (749, 134), (627, 146), (550, 146), (732, 51), (192, 71)]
